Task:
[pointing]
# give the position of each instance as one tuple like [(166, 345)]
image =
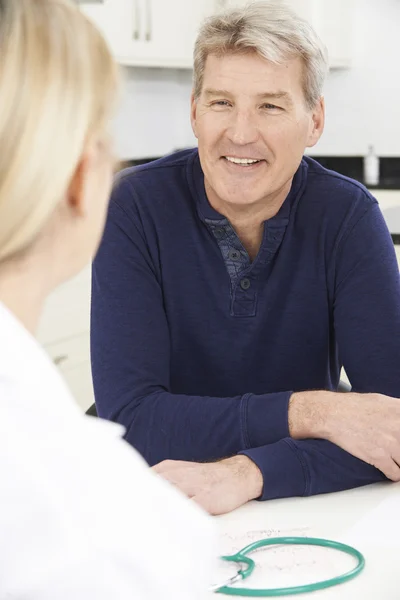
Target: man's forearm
[(308, 467), (195, 428), (168, 426), (308, 414), (366, 425)]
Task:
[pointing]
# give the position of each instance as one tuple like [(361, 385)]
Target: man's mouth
[(243, 162)]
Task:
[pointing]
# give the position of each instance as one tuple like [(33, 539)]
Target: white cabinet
[(332, 19), (161, 33), (72, 357), (64, 333), (153, 33), (79, 381), (71, 352), (67, 310), (107, 16)]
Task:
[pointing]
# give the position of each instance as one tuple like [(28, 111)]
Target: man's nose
[(243, 128)]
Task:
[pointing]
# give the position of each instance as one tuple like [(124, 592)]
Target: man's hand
[(365, 425), (218, 487)]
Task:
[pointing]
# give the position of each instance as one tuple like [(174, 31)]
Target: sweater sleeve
[(366, 308), (130, 353)]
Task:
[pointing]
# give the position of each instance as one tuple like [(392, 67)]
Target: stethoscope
[(243, 573)]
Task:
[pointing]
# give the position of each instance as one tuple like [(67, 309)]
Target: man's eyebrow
[(279, 95), (213, 92)]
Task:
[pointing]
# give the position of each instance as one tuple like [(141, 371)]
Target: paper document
[(281, 566)]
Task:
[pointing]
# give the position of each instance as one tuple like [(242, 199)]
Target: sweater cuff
[(266, 418), (284, 473)]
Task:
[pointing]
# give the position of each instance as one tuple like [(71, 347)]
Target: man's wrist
[(308, 414), (249, 474)]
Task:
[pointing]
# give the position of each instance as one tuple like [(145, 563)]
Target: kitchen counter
[(353, 166), (389, 202)]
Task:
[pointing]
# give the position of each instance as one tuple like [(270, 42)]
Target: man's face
[(250, 108)]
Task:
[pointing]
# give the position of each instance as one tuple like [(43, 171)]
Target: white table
[(329, 516)]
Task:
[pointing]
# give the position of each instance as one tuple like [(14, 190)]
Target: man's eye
[(220, 103), (271, 107)]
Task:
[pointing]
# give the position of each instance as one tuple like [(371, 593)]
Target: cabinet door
[(108, 16), (72, 357), (153, 33), (126, 24), (164, 32), (67, 310), (332, 20), (69, 353)]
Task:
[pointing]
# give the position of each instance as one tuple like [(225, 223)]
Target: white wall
[(153, 114), (362, 102)]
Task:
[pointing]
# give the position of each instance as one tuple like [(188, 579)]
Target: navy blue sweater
[(196, 350)]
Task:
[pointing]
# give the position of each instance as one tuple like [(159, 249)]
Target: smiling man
[(252, 122), (234, 281)]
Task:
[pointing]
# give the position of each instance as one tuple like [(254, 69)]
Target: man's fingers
[(396, 460), (216, 502), (181, 479), (391, 469), (207, 503), (168, 465), (184, 484)]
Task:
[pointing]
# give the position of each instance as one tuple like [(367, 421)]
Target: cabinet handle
[(149, 22), (136, 31)]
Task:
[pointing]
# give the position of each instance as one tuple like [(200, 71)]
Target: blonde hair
[(58, 83), (271, 29)]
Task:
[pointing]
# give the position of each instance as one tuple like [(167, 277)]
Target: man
[(233, 278)]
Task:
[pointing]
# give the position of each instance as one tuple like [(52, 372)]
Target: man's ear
[(193, 114), (318, 123)]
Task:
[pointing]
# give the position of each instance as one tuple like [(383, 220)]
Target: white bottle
[(371, 167)]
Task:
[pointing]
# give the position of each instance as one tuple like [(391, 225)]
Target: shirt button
[(219, 232), (245, 283), (234, 254)]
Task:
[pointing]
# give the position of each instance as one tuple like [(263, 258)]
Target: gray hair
[(272, 30)]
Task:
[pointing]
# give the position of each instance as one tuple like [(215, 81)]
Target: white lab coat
[(82, 517)]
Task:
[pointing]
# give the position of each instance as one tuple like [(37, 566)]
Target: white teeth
[(242, 161)]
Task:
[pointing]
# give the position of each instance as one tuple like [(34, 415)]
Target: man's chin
[(240, 198)]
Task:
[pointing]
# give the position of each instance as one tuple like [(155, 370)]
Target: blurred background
[(154, 40)]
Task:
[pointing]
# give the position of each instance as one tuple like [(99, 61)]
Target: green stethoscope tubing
[(240, 557)]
